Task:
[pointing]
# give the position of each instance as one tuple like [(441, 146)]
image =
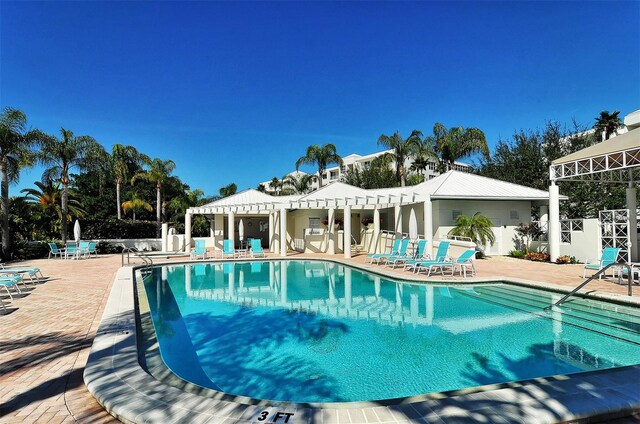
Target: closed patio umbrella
[(76, 231), (241, 231), (413, 226)]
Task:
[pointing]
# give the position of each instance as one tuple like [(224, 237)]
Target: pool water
[(318, 331)]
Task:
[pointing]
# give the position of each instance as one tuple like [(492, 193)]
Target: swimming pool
[(312, 331)]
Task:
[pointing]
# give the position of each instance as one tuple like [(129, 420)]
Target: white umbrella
[(413, 226), (241, 230), (76, 231)]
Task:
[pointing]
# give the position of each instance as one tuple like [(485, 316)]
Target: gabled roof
[(335, 190), (249, 196)]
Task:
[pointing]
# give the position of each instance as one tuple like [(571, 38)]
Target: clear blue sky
[(234, 92)]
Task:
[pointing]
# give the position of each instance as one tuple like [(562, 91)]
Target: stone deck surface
[(47, 334)]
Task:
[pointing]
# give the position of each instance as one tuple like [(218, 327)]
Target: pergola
[(616, 160)]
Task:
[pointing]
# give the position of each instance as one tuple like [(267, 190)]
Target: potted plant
[(367, 221)]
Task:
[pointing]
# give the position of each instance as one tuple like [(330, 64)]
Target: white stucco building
[(330, 220)]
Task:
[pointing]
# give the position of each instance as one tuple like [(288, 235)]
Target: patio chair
[(464, 260), (227, 249), (198, 250), (256, 249), (12, 281), (609, 256), (83, 249), (71, 249), (395, 260), (93, 248), (441, 256), (402, 252), (55, 251), (34, 274), (375, 257)]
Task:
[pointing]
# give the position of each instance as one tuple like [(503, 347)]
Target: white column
[(272, 230), (397, 214), (275, 238), (376, 230), (348, 294), (632, 205), (554, 221), (165, 236), (212, 229), (347, 232), (283, 232), (427, 215), (429, 304), (187, 232), (283, 283), (218, 225), (231, 235), (331, 229)]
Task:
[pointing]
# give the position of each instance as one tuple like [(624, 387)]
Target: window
[(514, 215), (455, 214), (314, 226)]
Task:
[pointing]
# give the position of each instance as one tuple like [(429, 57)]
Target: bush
[(537, 256), (517, 254), (566, 259), (104, 247), (30, 250), (118, 229)]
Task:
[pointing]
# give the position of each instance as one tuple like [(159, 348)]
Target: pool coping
[(121, 385)]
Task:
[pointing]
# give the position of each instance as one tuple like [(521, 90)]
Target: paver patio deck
[(47, 335)]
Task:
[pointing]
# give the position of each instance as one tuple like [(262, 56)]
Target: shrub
[(104, 247), (566, 259), (118, 229), (367, 220), (30, 250), (517, 254), (537, 256)]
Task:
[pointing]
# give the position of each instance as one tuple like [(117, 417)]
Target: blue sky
[(235, 91)]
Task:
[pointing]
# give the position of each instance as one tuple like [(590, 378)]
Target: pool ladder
[(598, 274), (132, 250)]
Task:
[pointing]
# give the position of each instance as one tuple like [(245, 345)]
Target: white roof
[(450, 185)]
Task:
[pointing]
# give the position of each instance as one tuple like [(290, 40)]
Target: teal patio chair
[(93, 248), (10, 281), (199, 250), (227, 249), (55, 251), (419, 253), (440, 256), (609, 256), (34, 274), (402, 252), (83, 249), (71, 249), (256, 249), (375, 257), (464, 260)]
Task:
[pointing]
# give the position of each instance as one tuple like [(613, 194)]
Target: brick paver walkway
[(46, 338)]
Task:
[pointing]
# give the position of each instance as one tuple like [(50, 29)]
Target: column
[(275, 241), (272, 230), (187, 232), (165, 236), (218, 225), (212, 228), (427, 215), (376, 230), (347, 232), (283, 232), (632, 205), (348, 294), (554, 221), (397, 214), (283, 283), (331, 230), (231, 235)]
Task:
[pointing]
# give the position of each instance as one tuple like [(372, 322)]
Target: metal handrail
[(128, 250), (597, 274)]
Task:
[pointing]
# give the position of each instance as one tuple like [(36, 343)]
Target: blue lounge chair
[(374, 257), (419, 253), (256, 249), (609, 256), (227, 249), (464, 260), (34, 274), (55, 250), (71, 249), (402, 252), (93, 248), (441, 256), (10, 281), (198, 250)]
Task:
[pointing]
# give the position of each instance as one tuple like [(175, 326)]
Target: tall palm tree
[(402, 150), (457, 143), (48, 196), (607, 124), (159, 172), (320, 156), (276, 184), (123, 159), (228, 190), (136, 204), (300, 184), (62, 156), (476, 227), (16, 152)]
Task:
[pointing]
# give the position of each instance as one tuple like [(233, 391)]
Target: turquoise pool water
[(316, 331)]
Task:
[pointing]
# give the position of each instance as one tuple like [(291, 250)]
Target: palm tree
[(402, 149), (123, 159), (159, 172), (63, 155), (16, 152), (607, 124), (48, 197), (477, 228), (136, 204), (276, 184), (320, 156), (419, 165), (457, 143), (228, 190), (300, 184)]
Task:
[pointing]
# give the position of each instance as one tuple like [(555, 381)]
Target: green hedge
[(117, 229)]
